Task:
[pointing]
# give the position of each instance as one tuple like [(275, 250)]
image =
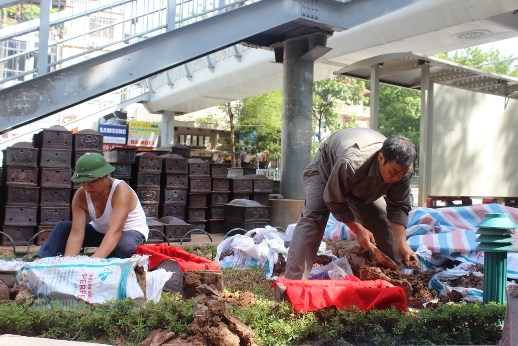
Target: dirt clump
[(20, 294), (212, 325), (193, 279), (322, 260), (4, 291)]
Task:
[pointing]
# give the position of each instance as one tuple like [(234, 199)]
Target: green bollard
[(495, 240)]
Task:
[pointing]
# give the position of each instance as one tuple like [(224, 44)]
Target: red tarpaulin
[(186, 260), (311, 295)]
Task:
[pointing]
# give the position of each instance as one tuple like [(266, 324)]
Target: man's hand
[(408, 256), (364, 237)]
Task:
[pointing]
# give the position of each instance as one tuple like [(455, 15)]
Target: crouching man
[(118, 223)]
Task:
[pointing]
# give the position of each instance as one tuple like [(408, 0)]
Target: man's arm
[(122, 201), (335, 193), (364, 237), (408, 256), (77, 233)]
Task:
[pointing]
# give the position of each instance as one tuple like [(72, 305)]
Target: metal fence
[(76, 30), (274, 174)]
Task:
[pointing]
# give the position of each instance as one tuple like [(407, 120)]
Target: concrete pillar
[(43, 43), (375, 91), (426, 131), (284, 212), (296, 116), (167, 129)]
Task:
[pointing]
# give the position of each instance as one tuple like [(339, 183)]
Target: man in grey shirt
[(362, 178)]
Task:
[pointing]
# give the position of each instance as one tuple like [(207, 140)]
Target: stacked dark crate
[(175, 229), (262, 187), (199, 188), (20, 181), (240, 186), (122, 159), (155, 225), (146, 173), (55, 162), (85, 141), (246, 214), (181, 150), (218, 198), (175, 186)]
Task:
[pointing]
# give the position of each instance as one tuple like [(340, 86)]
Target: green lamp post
[(495, 240)]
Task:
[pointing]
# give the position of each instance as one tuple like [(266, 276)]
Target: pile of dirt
[(363, 267), (415, 285), (20, 294), (212, 325)]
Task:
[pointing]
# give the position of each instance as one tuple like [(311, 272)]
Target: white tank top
[(136, 218)]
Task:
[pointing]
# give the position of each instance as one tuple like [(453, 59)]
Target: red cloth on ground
[(186, 260), (311, 295)]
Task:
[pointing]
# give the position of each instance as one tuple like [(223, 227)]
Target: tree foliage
[(474, 56), (259, 124), (399, 112), (326, 93), (20, 13)]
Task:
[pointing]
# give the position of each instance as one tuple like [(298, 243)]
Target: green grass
[(274, 323)]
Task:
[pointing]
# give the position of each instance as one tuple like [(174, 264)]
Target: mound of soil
[(212, 325)]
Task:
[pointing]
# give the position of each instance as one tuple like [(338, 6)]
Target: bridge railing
[(82, 29)]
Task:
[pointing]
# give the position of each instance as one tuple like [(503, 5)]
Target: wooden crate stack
[(176, 229), (146, 173), (55, 162), (199, 188), (262, 187), (246, 214), (175, 186), (122, 159), (218, 197), (240, 186), (85, 141), (21, 194)]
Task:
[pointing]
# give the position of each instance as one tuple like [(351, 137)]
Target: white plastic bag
[(82, 278), (427, 259)]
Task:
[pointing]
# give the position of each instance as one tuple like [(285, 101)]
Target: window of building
[(14, 66), (103, 27)]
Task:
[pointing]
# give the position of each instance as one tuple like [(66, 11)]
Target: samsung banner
[(113, 134)]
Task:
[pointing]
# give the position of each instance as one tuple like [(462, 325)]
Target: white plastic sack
[(82, 278), (245, 252), (12, 265), (427, 259), (272, 244), (155, 282)]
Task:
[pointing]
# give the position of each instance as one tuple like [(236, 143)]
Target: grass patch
[(275, 323)]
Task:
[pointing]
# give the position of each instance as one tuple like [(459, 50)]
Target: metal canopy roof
[(404, 70)]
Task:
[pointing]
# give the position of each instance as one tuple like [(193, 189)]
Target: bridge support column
[(298, 56), (167, 130)]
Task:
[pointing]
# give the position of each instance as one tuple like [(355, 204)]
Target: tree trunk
[(319, 130), (232, 147)]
